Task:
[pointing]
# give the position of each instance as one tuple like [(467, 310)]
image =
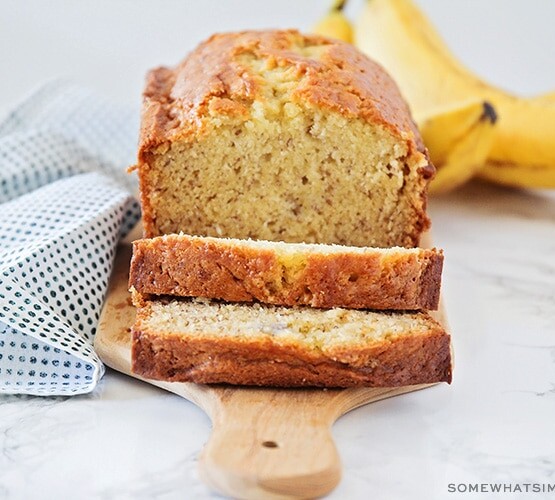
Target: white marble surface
[(496, 423)]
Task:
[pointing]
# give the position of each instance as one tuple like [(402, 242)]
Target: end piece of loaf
[(196, 340), (280, 136), (287, 274)]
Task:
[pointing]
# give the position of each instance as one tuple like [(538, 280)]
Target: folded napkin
[(65, 201)]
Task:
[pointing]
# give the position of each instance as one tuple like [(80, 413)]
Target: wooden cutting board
[(265, 443)]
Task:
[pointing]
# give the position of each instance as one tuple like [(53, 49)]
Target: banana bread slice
[(276, 135), (197, 340), (287, 273)]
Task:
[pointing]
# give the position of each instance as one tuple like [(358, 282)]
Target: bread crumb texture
[(313, 329)]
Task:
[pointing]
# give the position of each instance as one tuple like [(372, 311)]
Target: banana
[(334, 24), (444, 128), (518, 176), (458, 141), (547, 99), (400, 37)]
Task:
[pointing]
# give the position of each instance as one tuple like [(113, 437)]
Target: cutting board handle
[(271, 444)]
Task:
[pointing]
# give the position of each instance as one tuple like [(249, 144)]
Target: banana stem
[(338, 5)]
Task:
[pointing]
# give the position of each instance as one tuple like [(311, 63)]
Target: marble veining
[(496, 423)]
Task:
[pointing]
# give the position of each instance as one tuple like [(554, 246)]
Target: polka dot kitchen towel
[(65, 201)]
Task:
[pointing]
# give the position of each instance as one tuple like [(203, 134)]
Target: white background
[(110, 44), (495, 423)]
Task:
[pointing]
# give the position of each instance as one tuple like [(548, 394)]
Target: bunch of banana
[(397, 35)]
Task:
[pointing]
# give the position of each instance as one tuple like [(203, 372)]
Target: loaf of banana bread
[(281, 136)]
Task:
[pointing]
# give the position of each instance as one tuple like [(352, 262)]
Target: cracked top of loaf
[(225, 75)]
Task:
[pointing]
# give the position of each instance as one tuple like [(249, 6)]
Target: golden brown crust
[(180, 103), (188, 266), (402, 360), (212, 80)]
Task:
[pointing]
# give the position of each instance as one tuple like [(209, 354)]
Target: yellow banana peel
[(459, 141), (466, 158), (335, 24), (529, 176), (442, 129), (547, 99)]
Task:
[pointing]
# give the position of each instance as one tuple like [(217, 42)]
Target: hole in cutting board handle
[(270, 444)]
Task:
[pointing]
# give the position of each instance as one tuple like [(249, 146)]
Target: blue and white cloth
[(65, 202)]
